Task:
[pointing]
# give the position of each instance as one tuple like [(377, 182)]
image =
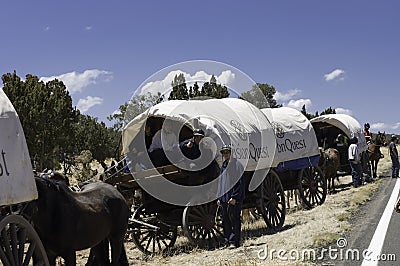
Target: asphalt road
[(356, 245)]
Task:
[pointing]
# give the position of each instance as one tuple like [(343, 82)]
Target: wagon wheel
[(203, 225), (312, 186), (272, 201), (150, 234), (20, 243)]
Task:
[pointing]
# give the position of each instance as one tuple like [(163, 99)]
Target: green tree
[(129, 110), (208, 90), (46, 114), (179, 89), (95, 137), (329, 110), (214, 90), (261, 95), (308, 115)]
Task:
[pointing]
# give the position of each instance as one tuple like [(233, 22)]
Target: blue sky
[(343, 54)]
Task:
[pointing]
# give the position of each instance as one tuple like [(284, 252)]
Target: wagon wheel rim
[(202, 225), (272, 201), (20, 243), (150, 240), (312, 186)]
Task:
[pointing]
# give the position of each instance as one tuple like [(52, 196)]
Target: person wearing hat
[(355, 162), (367, 133), (394, 155), (163, 140), (190, 147), (231, 197)]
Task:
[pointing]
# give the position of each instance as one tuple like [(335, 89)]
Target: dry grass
[(303, 229)]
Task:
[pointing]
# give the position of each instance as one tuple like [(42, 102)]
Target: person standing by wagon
[(394, 155), (231, 197), (355, 162)]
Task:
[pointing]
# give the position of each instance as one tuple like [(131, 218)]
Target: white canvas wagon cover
[(348, 124), (227, 121), (17, 183), (296, 143)]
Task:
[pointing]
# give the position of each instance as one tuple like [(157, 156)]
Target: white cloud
[(88, 27), (298, 104), (396, 125), (379, 126), (225, 77), (87, 103), (75, 82), (340, 110), (335, 74), (286, 96)]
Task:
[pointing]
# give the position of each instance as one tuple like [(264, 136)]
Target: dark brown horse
[(68, 221), (374, 152)]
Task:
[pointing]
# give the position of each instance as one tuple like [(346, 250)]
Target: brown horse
[(329, 163), (374, 151)]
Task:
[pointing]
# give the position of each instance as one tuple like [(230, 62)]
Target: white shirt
[(169, 140), (354, 155)]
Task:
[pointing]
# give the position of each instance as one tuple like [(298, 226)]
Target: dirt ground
[(304, 230)]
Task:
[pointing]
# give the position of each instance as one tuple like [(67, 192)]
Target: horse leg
[(99, 255), (118, 251), (333, 183), (374, 168), (296, 197), (287, 193), (329, 180), (123, 259)]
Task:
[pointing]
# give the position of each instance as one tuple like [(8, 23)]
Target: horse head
[(380, 139)]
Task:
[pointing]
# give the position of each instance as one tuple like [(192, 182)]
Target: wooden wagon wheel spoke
[(22, 241), (158, 243), (276, 219), (165, 243), (146, 237), (157, 237), (13, 234), (154, 243), (272, 201), (312, 186), (199, 228), (5, 237), (148, 242), (29, 253), (19, 242), (319, 195)]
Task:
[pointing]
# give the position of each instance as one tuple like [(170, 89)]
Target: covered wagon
[(184, 192), (334, 131), (19, 241), (297, 155)]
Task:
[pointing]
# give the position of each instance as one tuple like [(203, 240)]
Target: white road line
[(375, 247)]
